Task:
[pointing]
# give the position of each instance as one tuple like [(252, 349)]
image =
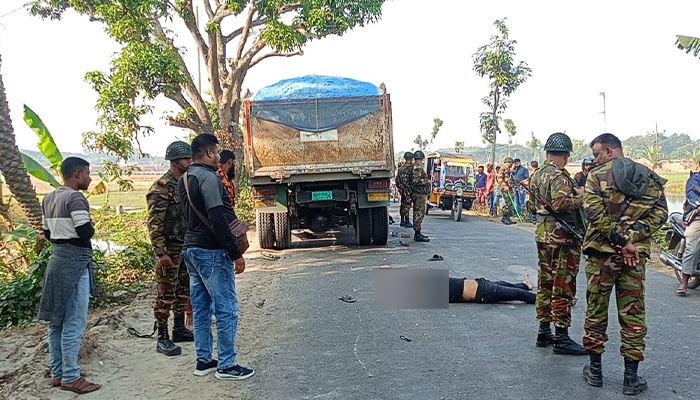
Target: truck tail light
[(384, 184), (264, 191)]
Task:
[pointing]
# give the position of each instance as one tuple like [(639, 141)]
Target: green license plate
[(326, 195)]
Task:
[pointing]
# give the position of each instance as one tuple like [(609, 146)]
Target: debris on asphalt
[(270, 257), (347, 299), (405, 235), (437, 257), (404, 338), (260, 303), (385, 266), (402, 243), (394, 234)]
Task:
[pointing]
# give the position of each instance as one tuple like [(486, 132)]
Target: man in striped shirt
[(69, 280)]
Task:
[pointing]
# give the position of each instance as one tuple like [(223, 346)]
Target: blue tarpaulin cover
[(316, 103)]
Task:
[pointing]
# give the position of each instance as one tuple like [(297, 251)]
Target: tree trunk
[(14, 171), (495, 131)]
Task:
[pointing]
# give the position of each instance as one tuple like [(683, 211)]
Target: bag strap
[(196, 211)]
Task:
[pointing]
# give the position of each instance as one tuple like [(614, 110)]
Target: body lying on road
[(463, 290)]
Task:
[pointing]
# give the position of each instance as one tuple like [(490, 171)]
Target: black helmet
[(558, 142), (178, 150), (419, 155), (408, 155)]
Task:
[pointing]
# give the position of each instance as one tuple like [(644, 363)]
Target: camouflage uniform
[(167, 227), (420, 188), (614, 220), (503, 178), (559, 254), (403, 184)]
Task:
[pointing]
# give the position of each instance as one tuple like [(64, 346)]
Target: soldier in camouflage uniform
[(420, 189), (167, 227), (504, 181), (625, 204), (403, 183), (558, 252)]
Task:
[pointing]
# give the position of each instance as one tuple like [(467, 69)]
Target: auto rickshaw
[(450, 186)]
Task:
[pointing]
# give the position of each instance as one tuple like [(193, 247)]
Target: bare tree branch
[(246, 31), (184, 104), (274, 54), (194, 31), (187, 124), (208, 9), (255, 23)]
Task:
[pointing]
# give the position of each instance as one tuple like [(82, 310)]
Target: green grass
[(675, 184)]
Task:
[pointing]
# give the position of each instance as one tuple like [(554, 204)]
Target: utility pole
[(605, 114), (657, 133)]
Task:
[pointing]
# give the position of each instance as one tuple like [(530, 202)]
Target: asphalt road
[(314, 346)]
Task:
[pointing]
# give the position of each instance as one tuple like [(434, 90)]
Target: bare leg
[(526, 281)]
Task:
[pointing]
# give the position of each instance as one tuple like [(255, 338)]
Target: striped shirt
[(66, 217)]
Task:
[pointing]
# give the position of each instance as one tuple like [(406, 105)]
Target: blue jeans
[(520, 200), (64, 340), (213, 286), (491, 201)]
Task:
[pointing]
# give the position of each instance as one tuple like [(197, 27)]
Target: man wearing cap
[(420, 188), (504, 180), (558, 252), (167, 227), (403, 183), (227, 174), (586, 165)]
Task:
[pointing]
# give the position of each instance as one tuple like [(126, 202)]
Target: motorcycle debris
[(394, 234), (402, 243), (404, 338)]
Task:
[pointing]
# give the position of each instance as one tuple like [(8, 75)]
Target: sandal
[(681, 292), (57, 382), (347, 299), (81, 386), (437, 257)]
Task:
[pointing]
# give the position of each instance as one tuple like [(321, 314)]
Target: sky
[(576, 50)]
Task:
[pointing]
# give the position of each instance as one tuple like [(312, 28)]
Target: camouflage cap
[(408, 155), (178, 150), (558, 142), (419, 155), (508, 159)]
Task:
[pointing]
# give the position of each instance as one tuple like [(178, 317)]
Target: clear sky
[(423, 54)]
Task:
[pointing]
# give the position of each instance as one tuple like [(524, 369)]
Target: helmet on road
[(408, 155), (419, 155), (588, 160), (558, 142), (178, 150), (508, 159)]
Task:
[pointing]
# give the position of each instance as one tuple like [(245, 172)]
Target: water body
[(675, 203)]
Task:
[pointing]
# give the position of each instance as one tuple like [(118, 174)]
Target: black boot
[(563, 344), (593, 372), (165, 346), (418, 237), (180, 333), (507, 221), (633, 384), (544, 335), (408, 223), (403, 221)]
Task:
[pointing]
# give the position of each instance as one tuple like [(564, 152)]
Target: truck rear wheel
[(380, 225), (283, 231), (363, 226), (266, 229)]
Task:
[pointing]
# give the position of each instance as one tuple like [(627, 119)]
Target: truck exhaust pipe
[(671, 260)]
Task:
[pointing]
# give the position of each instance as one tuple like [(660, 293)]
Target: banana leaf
[(46, 144), (39, 172), (21, 233)]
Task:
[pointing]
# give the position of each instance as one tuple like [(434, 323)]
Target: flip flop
[(347, 299), (681, 293), (437, 257)]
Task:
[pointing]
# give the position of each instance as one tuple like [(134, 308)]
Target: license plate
[(382, 196), (325, 195)]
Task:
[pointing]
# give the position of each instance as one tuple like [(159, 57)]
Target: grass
[(675, 184)]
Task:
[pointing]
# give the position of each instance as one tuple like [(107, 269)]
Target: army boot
[(507, 221), (419, 237), (408, 223), (180, 333), (403, 221), (544, 335), (593, 372), (562, 343), (165, 346), (633, 384)]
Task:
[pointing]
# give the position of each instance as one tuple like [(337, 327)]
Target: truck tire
[(380, 225), (266, 229), (467, 204), (283, 231), (456, 213), (363, 226)]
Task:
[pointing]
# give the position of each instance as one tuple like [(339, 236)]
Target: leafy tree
[(652, 153), (422, 144), (14, 171), (459, 147), (437, 123), (510, 128), (496, 61), (689, 44), (694, 158), (535, 145), (149, 65)]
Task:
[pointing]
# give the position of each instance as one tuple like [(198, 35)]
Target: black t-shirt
[(212, 200)]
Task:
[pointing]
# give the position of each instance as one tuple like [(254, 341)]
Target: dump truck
[(319, 154)]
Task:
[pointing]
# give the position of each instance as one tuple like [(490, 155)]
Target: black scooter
[(676, 239)]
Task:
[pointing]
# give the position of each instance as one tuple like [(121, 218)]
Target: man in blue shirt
[(480, 185), (691, 255), (520, 174)]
